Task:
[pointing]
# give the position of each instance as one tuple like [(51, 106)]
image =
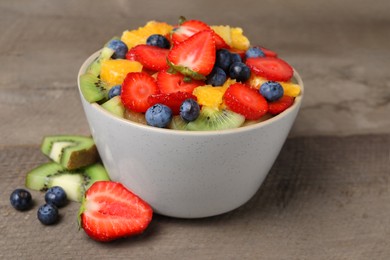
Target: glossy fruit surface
[(21, 199)]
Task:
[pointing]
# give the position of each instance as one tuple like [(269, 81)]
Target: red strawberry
[(270, 68), (197, 53), (191, 27), (136, 88), (278, 106), (187, 29), (172, 100), (110, 211), (169, 83), (267, 52), (246, 101), (130, 55), (151, 57)]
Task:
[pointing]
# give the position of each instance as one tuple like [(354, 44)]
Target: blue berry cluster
[(228, 64), (47, 214)]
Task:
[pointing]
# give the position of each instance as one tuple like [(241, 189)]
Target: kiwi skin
[(209, 119)]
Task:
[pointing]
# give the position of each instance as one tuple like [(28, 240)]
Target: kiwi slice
[(71, 151), (93, 88), (115, 106), (209, 119), (75, 183), (95, 67)]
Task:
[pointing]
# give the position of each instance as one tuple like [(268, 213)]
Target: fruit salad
[(190, 76)]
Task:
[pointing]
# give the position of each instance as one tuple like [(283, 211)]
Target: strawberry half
[(278, 106), (136, 88), (196, 54), (130, 55), (110, 211), (246, 101), (170, 83), (270, 68), (151, 57), (172, 100), (191, 27), (187, 29)]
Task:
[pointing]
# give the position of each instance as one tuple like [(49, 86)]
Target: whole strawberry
[(110, 211)]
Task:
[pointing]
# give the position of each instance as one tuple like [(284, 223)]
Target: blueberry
[(119, 47), (21, 199), (114, 91), (189, 110), (56, 195), (158, 115), (48, 214), (254, 52), (158, 40), (217, 77), (271, 90), (223, 59), (235, 57), (239, 71)]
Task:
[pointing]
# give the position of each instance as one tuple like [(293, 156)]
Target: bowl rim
[(166, 131)]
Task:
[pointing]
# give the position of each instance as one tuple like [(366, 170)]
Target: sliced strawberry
[(170, 83), (270, 68), (130, 55), (151, 57), (267, 52), (172, 100), (187, 29), (136, 89), (278, 106), (197, 53), (220, 42), (110, 211), (246, 101)]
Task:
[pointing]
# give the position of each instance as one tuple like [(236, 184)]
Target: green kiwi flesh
[(115, 106), (209, 119), (75, 183), (70, 151), (92, 88), (95, 67)]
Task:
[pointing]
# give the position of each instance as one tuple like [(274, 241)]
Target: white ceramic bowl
[(188, 174)]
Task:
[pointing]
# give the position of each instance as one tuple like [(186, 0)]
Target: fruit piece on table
[(246, 101), (75, 183), (56, 196), (278, 106), (71, 151), (110, 211), (139, 36), (210, 96), (115, 106), (95, 67), (92, 88), (151, 57), (175, 82), (239, 41), (136, 89), (270, 68), (210, 119), (21, 199), (113, 72), (48, 214), (196, 54)]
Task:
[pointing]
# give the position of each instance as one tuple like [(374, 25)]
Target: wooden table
[(327, 196)]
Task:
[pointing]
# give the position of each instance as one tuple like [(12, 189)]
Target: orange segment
[(224, 32), (209, 96), (239, 41), (114, 71), (290, 89), (139, 36)]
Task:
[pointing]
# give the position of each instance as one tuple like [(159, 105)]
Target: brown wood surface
[(327, 196)]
